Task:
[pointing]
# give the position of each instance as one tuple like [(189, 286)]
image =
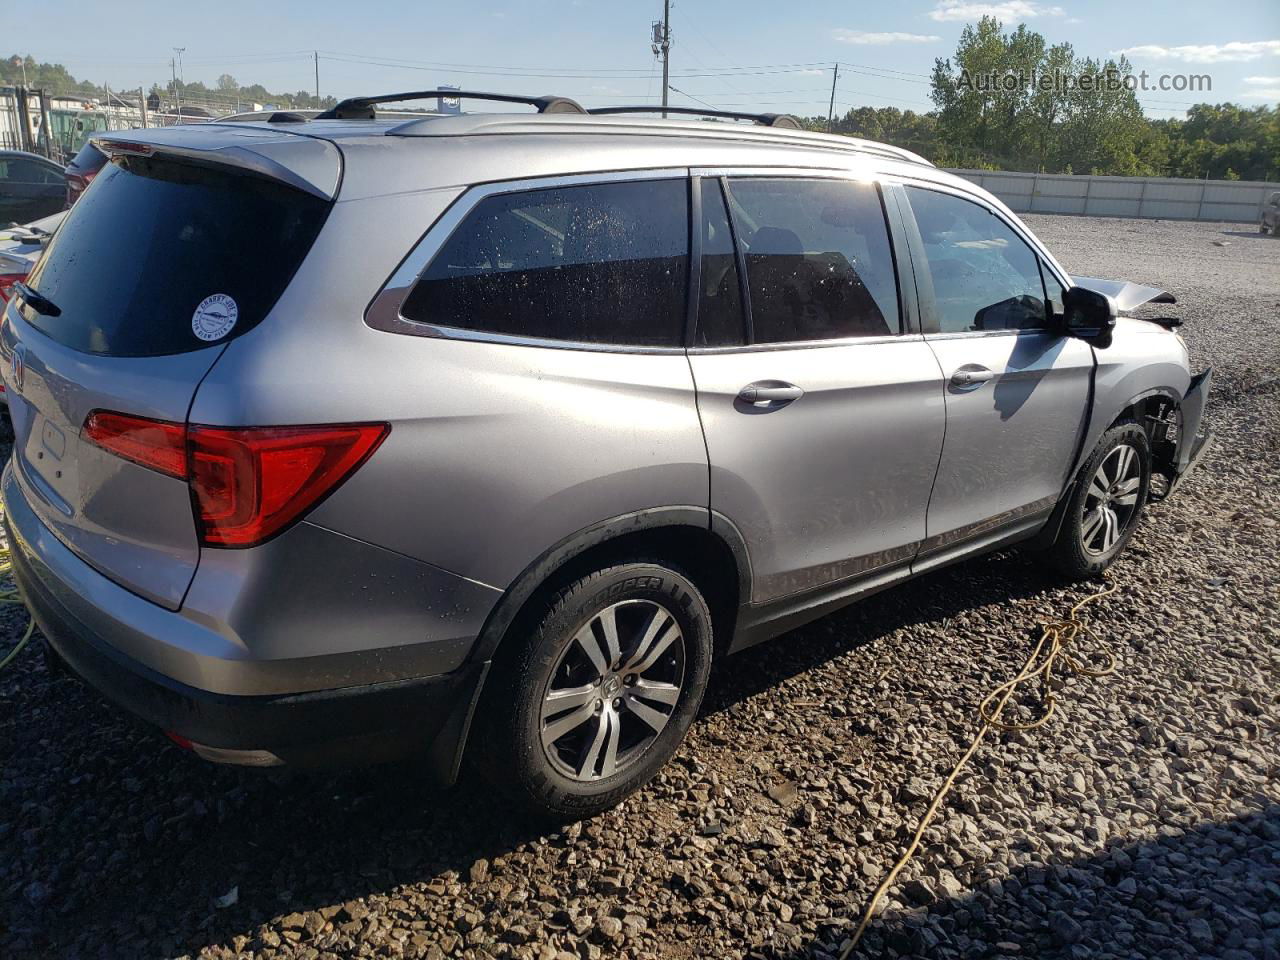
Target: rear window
[(599, 263), (161, 257)]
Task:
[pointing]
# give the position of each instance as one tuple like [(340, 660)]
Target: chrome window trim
[(401, 283), (808, 173), (964, 334), (805, 344)]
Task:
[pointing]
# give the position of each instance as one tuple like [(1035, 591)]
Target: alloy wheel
[(1111, 502), (615, 686)]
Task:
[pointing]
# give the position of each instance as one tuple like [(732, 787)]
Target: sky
[(730, 54)]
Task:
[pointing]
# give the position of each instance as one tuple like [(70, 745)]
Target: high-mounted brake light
[(247, 484), (117, 147)]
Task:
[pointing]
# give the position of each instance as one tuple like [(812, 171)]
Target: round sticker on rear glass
[(215, 317)]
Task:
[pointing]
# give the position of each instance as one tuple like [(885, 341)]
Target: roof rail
[(361, 108), (764, 119)]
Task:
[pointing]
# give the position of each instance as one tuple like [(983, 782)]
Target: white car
[(20, 247)]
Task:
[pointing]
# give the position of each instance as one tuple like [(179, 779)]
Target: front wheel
[(1106, 503), (592, 705)]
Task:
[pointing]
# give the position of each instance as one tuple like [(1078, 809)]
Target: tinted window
[(599, 263), (21, 170), (985, 277), (819, 265), (142, 250), (720, 321)]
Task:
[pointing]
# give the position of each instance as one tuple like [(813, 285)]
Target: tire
[(1263, 229), (530, 747), (1089, 541)]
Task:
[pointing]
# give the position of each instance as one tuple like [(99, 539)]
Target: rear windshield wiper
[(39, 302)]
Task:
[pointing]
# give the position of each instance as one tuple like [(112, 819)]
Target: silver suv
[(355, 437)]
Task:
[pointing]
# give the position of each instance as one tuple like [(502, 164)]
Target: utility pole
[(831, 108), (316, 54), (662, 48), (180, 79)]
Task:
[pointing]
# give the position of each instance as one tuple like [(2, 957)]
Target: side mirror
[(1088, 315)]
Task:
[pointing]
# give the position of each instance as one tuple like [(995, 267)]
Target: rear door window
[(819, 262), (155, 242), (595, 263)]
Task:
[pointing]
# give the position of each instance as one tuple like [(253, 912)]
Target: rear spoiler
[(305, 163)]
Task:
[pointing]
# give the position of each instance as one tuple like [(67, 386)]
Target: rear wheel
[(1106, 503), (599, 697)]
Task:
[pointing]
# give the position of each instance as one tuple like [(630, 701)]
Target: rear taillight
[(7, 280), (152, 443), (247, 484), (250, 484)]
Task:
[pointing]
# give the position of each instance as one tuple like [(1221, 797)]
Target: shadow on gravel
[(115, 844), (932, 599), (1213, 891)]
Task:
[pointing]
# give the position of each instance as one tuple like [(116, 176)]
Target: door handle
[(971, 375), (771, 393)]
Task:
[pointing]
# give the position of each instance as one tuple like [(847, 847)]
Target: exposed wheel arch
[(1159, 412), (706, 545)]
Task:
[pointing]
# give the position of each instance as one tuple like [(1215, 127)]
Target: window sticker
[(215, 317)]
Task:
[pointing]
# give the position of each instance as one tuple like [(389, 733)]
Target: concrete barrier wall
[(1148, 197)]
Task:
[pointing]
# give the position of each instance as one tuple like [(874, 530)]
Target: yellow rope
[(12, 596), (1054, 639)]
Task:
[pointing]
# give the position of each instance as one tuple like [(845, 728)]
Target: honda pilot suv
[(481, 437)]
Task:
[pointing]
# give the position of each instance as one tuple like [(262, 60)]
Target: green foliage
[(1024, 120)]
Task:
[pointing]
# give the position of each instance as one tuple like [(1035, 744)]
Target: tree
[(227, 84)]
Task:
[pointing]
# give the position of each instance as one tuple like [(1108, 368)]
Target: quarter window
[(819, 264), (985, 277), (598, 263)]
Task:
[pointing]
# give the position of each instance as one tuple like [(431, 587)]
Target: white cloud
[(1264, 88), (881, 39), (1002, 10), (1234, 52)]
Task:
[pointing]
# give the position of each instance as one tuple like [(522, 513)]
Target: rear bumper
[(325, 727)]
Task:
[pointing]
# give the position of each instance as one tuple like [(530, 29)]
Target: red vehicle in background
[(84, 166)]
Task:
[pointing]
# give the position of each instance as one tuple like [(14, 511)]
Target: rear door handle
[(971, 375), (770, 393)]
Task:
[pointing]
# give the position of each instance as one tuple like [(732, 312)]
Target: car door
[(1016, 390), (822, 409)]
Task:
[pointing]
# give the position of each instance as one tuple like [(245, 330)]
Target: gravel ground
[(1143, 821)]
